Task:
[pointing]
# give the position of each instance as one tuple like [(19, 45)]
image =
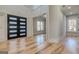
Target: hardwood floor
[(39, 45), (32, 45)]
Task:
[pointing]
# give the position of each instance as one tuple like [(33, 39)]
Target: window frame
[(40, 25), (72, 24)]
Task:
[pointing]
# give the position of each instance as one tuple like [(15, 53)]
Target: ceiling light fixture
[(69, 7), (45, 16), (71, 13)]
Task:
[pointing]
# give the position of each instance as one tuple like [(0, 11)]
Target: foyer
[(39, 29)]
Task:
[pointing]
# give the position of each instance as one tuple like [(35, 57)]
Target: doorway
[(72, 25), (39, 25)]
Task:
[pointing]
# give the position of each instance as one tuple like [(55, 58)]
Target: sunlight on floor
[(71, 45), (40, 39)]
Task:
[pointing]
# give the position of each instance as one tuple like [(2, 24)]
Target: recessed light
[(71, 13), (69, 7), (45, 16)]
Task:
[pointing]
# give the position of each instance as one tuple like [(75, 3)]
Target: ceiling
[(38, 10), (67, 9), (33, 7), (70, 9)]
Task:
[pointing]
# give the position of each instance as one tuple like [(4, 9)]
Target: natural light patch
[(40, 25), (72, 25), (40, 39), (71, 45)]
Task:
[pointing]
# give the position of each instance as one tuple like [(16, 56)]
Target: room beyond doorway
[(39, 25)]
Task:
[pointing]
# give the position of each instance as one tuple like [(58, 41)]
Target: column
[(55, 24)]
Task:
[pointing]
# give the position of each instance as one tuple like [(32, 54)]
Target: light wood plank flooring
[(33, 45)]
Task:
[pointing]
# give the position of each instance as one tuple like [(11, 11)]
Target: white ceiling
[(70, 9), (67, 9), (37, 9), (33, 7)]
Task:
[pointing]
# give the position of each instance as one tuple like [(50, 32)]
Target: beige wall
[(14, 10), (3, 29)]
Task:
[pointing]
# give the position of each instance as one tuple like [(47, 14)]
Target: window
[(71, 25), (22, 25), (16, 26), (40, 25)]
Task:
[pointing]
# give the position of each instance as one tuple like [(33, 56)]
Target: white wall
[(18, 11), (55, 26)]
